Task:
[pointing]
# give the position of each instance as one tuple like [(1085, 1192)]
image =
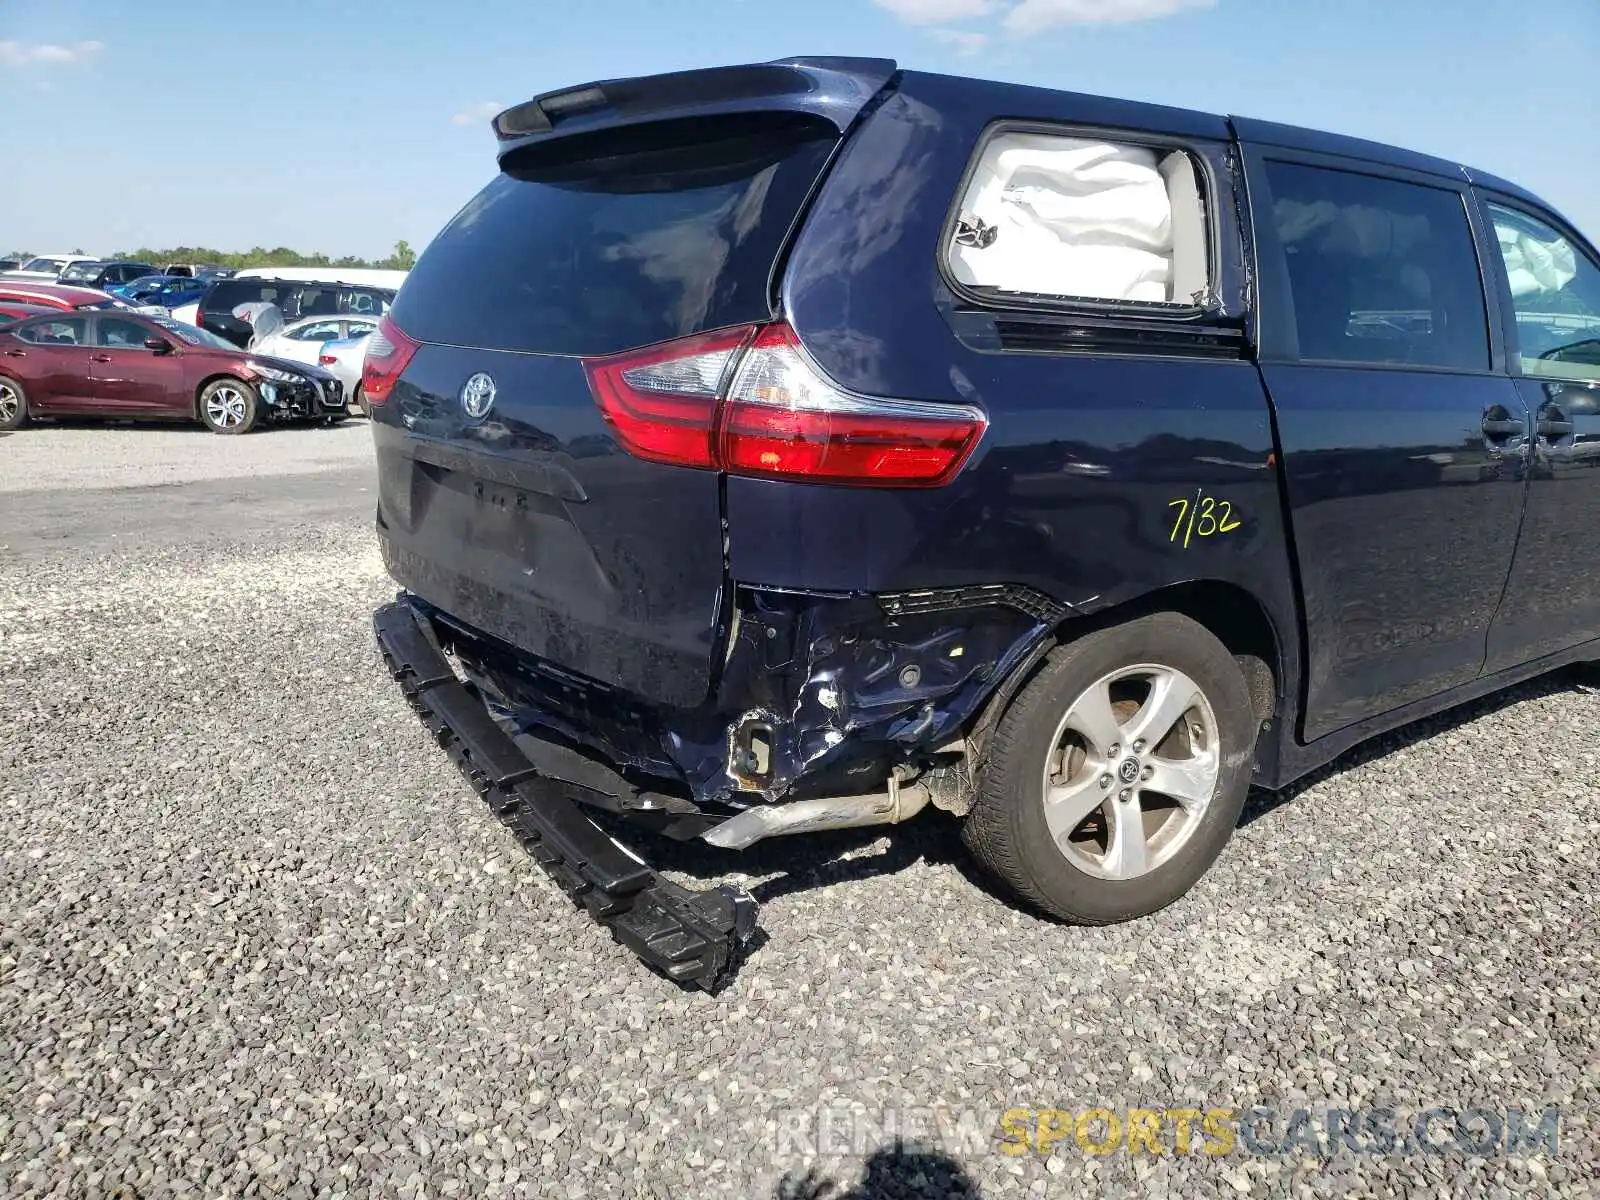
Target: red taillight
[(782, 418), (327, 360), (388, 352), (662, 401), (751, 402)]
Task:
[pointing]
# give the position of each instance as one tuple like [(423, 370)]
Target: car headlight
[(274, 374)]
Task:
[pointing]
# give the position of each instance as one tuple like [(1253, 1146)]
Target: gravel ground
[(83, 456), (256, 937)]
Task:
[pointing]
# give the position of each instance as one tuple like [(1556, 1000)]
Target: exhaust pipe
[(899, 803)]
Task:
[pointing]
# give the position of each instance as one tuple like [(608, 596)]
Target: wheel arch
[(1233, 614)]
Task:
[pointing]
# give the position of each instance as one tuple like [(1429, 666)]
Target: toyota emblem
[(477, 396)]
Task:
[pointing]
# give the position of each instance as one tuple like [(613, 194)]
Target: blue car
[(169, 291), (906, 441)]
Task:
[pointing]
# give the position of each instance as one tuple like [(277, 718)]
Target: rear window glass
[(604, 242)]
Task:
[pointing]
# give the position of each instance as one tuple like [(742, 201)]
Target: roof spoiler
[(835, 89)]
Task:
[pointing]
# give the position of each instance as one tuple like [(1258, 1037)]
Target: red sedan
[(129, 366), (59, 295)]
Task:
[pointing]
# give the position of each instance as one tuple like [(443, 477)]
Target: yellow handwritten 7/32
[(1201, 515)]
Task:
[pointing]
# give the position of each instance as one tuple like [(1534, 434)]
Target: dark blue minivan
[(799, 445)]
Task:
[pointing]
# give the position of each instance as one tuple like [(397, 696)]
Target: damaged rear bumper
[(691, 936), (818, 696)]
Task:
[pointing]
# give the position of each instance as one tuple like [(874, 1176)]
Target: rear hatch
[(626, 214)]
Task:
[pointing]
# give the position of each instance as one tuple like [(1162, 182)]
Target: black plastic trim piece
[(1009, 595), (691, 937)]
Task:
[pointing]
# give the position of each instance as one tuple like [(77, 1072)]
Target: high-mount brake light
[(750, 401), (387, 355)]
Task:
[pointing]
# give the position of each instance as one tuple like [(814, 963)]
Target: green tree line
[(403, 258)]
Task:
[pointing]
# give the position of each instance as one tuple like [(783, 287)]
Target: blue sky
[(342, 128)]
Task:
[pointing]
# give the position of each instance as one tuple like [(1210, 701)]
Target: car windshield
[(194, 336), (44, 264), (147, 282), (84, 272)]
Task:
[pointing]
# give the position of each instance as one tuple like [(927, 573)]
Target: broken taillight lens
[(388, 352), (750, 401)]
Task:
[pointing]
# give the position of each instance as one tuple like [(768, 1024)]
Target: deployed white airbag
[(1070, 217), (1534, 265)]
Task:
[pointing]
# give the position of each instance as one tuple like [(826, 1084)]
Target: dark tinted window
[(1379, 271), (366, 303), (602, 242), (296, 299), (228, 295)]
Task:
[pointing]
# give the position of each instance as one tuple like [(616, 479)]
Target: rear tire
[(13, 405), (1117, 775), (229, 406), (358, 402)]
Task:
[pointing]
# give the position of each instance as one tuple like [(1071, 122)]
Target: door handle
[(16, 354), (1555, 428), (1497, 429), (100, 358)]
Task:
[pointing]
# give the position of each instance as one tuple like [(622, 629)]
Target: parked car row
[(47, 268), (128, 365), (218, 309), (89, 271), (80, 336)]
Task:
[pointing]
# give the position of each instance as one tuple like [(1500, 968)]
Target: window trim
[(1014, 303), (1483, 197), (1273, 330)]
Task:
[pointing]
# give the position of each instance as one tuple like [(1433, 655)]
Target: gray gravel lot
[(256, 936)]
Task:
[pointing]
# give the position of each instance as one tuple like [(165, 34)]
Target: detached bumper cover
[(690, 936)]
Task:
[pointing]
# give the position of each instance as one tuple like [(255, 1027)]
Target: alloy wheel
[(10, 403), (226, 407), (1131, 770)]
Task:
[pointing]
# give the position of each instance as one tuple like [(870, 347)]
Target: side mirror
[(159, 345)]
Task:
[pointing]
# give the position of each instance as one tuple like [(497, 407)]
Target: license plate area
[(502, 520)]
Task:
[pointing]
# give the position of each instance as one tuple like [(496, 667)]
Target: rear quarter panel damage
[(820, 695)]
